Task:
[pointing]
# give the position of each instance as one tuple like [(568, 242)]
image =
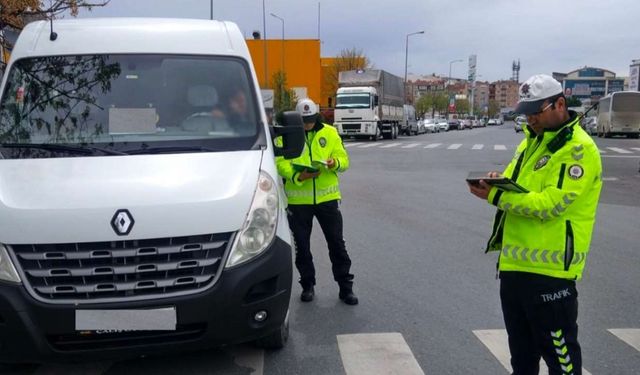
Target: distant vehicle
[(591, 125), (619, 114), (476, 124), (492, 122), (443, 125), (519, 123), (454, 124), (465, 124), (499, 120), (369, 103), (409, 122), (430, 125)]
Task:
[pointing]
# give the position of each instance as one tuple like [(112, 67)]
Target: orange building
[(299, 58)]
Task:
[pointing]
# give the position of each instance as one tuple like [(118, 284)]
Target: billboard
[(634, 76), (472, 69)]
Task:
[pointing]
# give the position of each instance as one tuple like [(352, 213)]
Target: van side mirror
[(290, 136)]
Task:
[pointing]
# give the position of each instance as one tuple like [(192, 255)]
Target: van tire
[(276, 339)]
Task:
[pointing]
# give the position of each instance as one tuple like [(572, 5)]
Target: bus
[(619, 114)]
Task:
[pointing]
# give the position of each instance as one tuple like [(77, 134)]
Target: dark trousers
[(541, 314), (330, 219)]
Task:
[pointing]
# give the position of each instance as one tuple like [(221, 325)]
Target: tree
[(462, 106), (347, 59), (284, 99), (17, 13), (494, 108), (572, 101)]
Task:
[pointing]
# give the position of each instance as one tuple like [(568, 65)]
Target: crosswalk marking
[(629, 335), (499, 147), (635, 148), (454, 146), (372, 144), (377, 354), (432, 145), (411, 145), (390, 145), (477, 147), (352, 144), (609, 178), (496, 340), (620, 150), (602, 151)]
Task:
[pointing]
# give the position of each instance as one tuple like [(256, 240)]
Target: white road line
[(609, 178), (454, 146), (499, 147), (620, 150), (412, 145), (432, 145), (352, 144), (622, 156), (247, 356), (477, 147), (497, 342), (630, 335), (377, 354), (602, 151), (372, 144), (390, 145), (635, 148)]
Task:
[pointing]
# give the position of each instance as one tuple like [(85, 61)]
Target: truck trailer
[(369, 104)]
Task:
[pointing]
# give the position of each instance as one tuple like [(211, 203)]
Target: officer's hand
[(331, 163), (481, 190), (305, 175)]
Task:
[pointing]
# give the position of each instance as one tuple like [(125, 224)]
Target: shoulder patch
[(542, 162), (322, 141), (575, 171)]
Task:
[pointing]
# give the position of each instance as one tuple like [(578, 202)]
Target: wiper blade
[(62, 148), (167, 150)]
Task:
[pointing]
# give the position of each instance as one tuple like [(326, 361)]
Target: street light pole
[(281, 20), (211, 11), (406, 57)]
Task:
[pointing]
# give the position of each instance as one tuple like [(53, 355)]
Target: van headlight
[(260, 226), (7, 270)]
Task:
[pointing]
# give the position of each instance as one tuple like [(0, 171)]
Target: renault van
[(140, 206)]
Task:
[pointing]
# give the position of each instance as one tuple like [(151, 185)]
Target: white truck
[(369, 104), (134, 218)]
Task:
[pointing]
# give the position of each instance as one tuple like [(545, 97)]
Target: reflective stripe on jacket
[(548, 230), (323, 143)]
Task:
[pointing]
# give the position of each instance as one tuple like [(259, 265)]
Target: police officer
[(317, 194), (543, 236)]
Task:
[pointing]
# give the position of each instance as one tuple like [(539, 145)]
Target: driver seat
[(202, 99)]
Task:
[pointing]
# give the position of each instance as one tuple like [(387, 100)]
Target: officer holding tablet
[(313, 190), (542, 235)]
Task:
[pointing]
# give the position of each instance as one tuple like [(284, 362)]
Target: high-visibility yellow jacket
[(323, 142), (548, 230)]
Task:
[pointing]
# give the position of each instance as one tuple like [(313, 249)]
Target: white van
[(140, 205)]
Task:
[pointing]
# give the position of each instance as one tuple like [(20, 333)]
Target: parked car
[(454, 124), (519, 123), (430, 125), (476, 124), (492, 122), (591, 125), (443, 126), (499, 120), (465, 124), (421, 129)]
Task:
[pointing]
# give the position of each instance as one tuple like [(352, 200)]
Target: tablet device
[(301, 167), (319, 163), (502, 183)]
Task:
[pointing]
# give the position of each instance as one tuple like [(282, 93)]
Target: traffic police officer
[(317, 194), (543, 236)]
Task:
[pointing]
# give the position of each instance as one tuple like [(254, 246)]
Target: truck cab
[(356, 112)]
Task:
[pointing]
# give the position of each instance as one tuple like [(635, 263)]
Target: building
[(481, 95), (298, 58), (589, 84), (505, 93)]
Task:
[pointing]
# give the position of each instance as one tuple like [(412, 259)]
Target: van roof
[(131, 35)]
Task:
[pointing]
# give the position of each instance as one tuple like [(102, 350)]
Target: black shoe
[(307, 294), (349, 298)]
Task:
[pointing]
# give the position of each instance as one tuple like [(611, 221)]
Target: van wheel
[(278, 338)]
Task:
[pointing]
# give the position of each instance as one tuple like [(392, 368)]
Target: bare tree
[(348, 59)]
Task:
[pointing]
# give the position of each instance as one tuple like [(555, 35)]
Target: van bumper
[(35, 332)]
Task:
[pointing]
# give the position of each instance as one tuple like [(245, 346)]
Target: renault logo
[(122, 222)]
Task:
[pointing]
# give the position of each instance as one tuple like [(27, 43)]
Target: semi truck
[(369, 104)]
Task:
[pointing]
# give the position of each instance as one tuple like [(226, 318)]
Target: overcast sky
[(546, 35)]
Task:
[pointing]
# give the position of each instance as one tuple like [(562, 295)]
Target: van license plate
[(126, 320)]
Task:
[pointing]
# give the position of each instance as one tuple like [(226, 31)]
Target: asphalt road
[(428, 293)]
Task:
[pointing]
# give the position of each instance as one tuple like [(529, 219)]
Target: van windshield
[(122, 104)]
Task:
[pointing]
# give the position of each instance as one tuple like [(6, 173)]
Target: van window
[(128, 103)]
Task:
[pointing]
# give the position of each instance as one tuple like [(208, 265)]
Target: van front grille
[(121, 270)]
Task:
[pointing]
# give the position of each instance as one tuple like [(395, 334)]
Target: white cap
[(307, 108), (534, 91)]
